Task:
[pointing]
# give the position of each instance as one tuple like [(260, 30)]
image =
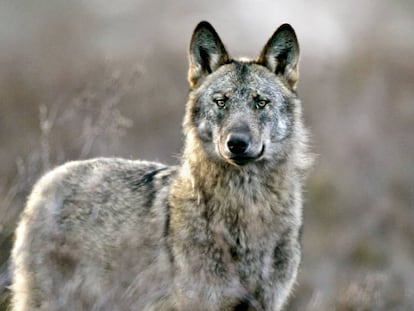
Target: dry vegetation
[(81, 81)]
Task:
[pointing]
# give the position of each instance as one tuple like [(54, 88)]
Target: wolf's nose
[(238, 143)]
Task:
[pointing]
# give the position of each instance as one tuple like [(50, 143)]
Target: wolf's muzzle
[(240, 150)]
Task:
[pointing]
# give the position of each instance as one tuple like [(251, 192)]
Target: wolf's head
[(242, 111)]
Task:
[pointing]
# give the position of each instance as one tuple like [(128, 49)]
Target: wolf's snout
[(238, 143), (241, 149)]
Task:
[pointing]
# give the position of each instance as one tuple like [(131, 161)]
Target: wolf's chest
[(233, 244)]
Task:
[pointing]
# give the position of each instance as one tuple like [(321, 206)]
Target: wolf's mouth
[(244, 159)]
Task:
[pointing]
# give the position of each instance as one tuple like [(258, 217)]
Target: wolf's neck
[(242, 203), (208, 180)]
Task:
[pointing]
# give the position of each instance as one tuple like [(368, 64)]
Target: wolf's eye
[(261, 103), (221, 103)]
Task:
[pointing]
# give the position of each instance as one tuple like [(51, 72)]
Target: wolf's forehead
[(247, 77)]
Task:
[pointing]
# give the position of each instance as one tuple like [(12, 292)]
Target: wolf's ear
[(207, 53), (281, 54)]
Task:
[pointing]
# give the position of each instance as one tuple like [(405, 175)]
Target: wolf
[(219, 231)]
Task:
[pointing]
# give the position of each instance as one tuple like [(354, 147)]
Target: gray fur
[(218, 232)]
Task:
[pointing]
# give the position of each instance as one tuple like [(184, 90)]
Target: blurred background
[(81, 79)]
